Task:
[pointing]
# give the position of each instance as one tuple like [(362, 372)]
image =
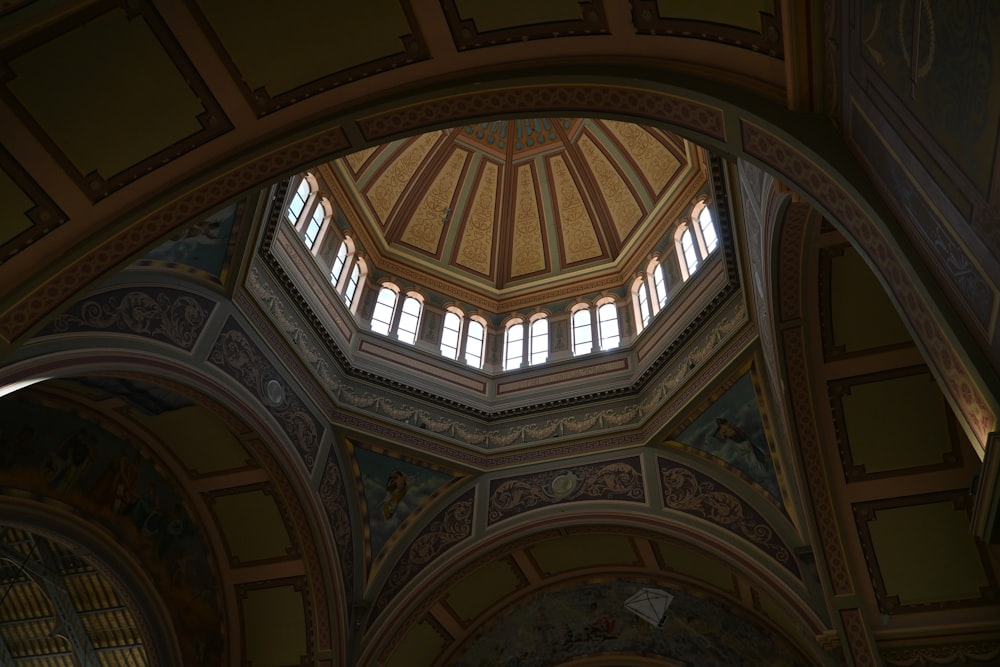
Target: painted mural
[(939, 58), (393, 490), (200, 247), (591, 619), (732, 429), (62, 456)]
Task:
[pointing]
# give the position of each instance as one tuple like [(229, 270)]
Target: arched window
[(451, 333), (539, 343), (319, 216), (353, 285), (475, 341), (655, 271), (708, 233), (513, 347), (409, 319), (640, 296), (298, 201), (690, 255), (385, 308), (607, 325), (583, 334), (345, 251)]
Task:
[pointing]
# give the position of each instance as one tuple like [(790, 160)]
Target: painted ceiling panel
[(625, 209), (274, 626), (421, 644), (906, 558), (121, 98), (577, 551), (577, 227), (527, 255), (490, 15), (653, 159), (486, 586), (477, 246), (907, 432), (254, 528), (280, 49), (386, 189), (738, 13), (430, 213)]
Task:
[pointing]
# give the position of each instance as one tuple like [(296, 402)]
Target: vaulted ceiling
[(260, 480)]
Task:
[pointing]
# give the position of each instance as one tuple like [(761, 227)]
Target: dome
[(510, 213)]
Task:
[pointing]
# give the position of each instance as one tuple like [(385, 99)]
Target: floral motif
[(615, 480), (167, 315), (450, 527), (235, 354), (334, 499), (693, 493)]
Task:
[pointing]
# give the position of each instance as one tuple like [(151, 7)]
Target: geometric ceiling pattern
[(509, 204), (861, 169)]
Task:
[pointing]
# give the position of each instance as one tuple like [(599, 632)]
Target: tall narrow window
[(298, 202), (315, 224), (642, 297), (353, 283), (539, 343), (513, 346), (338, 264), (690, 254), (583, 336), (660, 284), (385, 306), (451, 334), (409, 319), (708, 233), (607, 325), (475, 340)]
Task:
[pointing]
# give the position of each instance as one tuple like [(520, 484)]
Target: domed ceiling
[(509, 207)]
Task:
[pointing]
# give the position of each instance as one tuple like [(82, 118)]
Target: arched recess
[(800, 151), (257, 508), (512, 567)]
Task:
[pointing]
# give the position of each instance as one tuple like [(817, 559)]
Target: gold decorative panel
[(253, 526), (431, 212), (625, 211), (527, 254), (386, 190), (579, 238), (274, 626), (477, 248), (653, 159)]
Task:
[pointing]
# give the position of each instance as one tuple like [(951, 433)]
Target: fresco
[(732, 429), (591, 619), (60, 455), (939, 58), (201, 246), (393, 490)]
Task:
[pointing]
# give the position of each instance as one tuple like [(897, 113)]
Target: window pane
[(450, 335), (385, 304), (690, 256), (315, 224), (406, 331), (352, 286), (298, 202), (539, 341), (582, 334), (708, 230), (660, 284), (643, 299), (474, 340), (607, 326), (338, 264), (514, 347)]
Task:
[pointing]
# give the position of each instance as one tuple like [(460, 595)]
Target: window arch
[(539, 341), (707, 227), (451, 333), (640, 301), (345, 253), (513, 347), (354, 284), (475, 341), (608, 331), (583, 330), (657, 285), (409, 318), (320, 214), (385, 309), (297, 203)]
